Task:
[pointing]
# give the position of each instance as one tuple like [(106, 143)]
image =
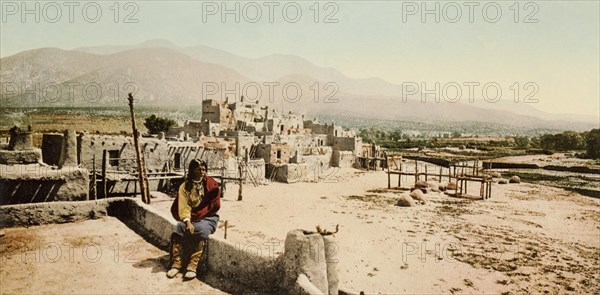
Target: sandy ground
[(100, 256), (526, 238), (558, 159)]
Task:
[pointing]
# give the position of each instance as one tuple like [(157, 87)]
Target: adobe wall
[(32, 156), (257, 168), (268, 152), (19, 149), (211, 111), (316, 128), (156, 152), (302, 141), (235, 268), (319, 160), (353, 144), (289, 173), (291, 121), (343, 159), (244, 145), (51, 213), (39, 183), (20, 140)]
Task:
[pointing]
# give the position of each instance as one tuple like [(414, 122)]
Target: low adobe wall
[(38, 183), (31, 156), (343, 159), (302, 269)]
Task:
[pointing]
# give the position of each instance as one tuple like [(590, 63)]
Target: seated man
[(195, 209)]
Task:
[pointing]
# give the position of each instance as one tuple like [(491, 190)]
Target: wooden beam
[(104, 193), (143, 179)]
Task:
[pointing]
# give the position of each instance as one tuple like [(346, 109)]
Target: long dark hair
[(194, 164)]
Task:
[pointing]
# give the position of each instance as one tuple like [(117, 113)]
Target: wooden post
[(425, 172), (104, 193), (93, 177), (481, 189), (143, 179), (388, 172), (400, 174), (241, 179), (416, 172), (440, 179), (226, 224)]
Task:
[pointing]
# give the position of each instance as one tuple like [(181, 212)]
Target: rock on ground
[(515, 179), (406, 200)]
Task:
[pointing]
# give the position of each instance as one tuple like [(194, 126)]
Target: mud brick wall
[(37, 183), (343, 159)]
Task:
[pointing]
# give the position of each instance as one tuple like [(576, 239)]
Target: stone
[(495, 174), (420, 184), (418, 195), (502, 181), (406, 200), (514, 179), (434, 186), (442, 187)]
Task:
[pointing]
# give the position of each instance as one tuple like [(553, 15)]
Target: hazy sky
[(554, 44)]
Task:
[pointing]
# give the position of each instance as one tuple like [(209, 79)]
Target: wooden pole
[(104, 193), (416, 172), (481, 189), (143, 179), (400, 174), (226, 225), (94, 177), (388, 172), (241, 177)]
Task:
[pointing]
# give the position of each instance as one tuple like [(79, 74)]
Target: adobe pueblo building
[(240, 141)]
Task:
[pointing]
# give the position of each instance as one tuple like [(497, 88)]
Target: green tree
[(156, 124), (522, 141), (592, 142), (568, 140)]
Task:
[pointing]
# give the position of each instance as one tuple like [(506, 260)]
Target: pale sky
[(560, 52)]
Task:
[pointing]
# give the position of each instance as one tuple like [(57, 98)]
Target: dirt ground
[(526, 238), (558, 159), (100, 256)]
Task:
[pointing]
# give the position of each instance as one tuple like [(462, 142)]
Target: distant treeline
[(588, 141)]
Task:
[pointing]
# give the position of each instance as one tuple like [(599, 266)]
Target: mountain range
[(160, 73)]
